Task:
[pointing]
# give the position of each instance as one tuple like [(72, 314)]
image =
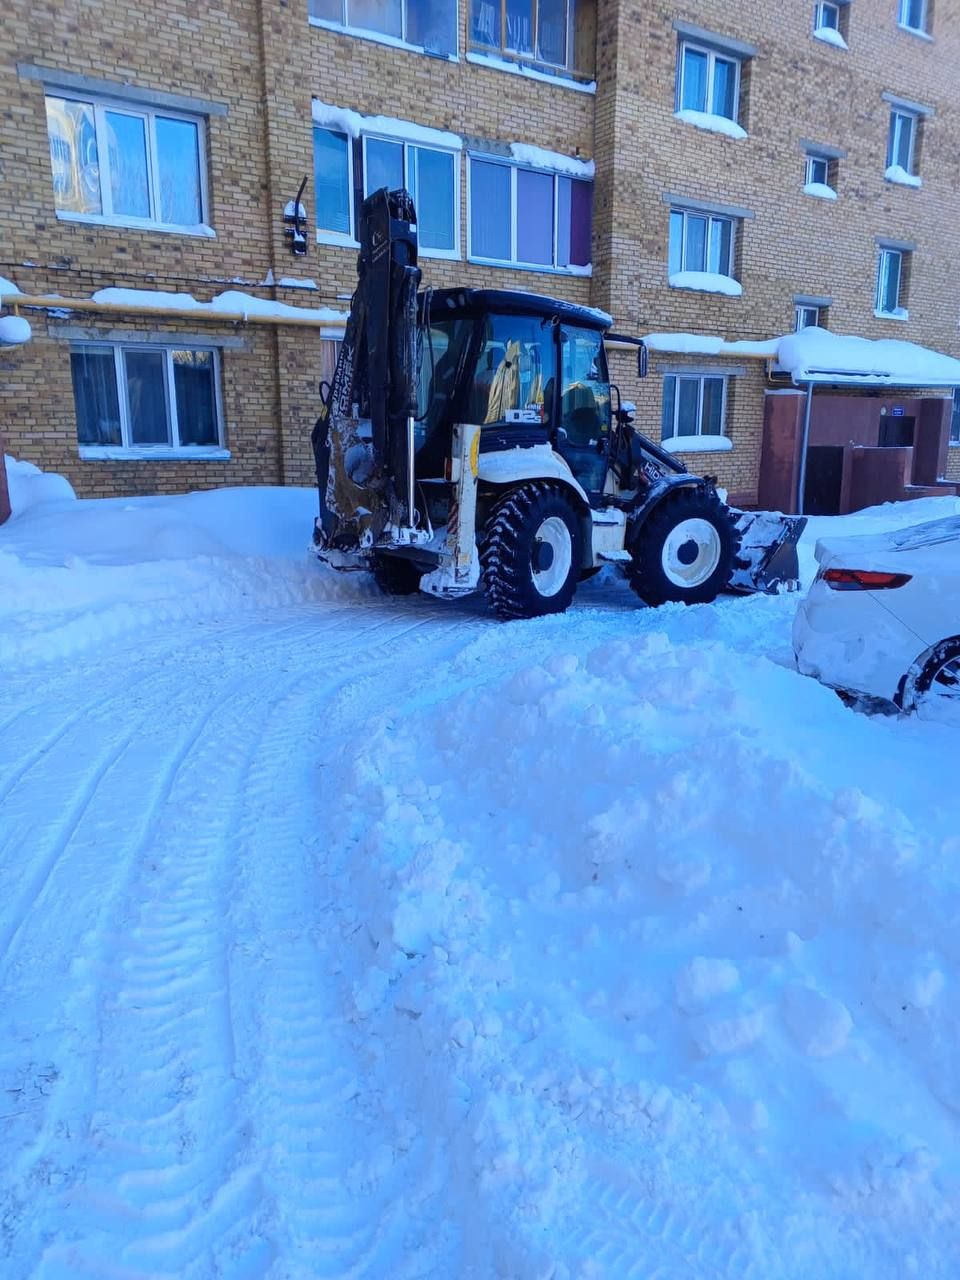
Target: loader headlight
[(475, 454)]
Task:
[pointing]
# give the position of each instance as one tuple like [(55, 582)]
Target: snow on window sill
[(342, 242), (137, 224), (697, 444), (896, 173), (528, 266), (153, 453), (380, 37), (706, 282), (820, 190), (915, 31), (521, 69), (712, 123), (901, 313), (830, 36)]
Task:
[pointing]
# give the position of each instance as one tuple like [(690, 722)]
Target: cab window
[(515, 373), (584, 388)]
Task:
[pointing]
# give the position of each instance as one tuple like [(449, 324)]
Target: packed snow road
[(371, 938)]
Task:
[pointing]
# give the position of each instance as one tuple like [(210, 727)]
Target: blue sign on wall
[(898, 411)]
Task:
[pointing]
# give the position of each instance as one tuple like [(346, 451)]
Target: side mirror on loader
[(642, 360)]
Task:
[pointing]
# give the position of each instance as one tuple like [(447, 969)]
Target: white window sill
[(712, 123), (341, 242), (697, 444), (451, 255), (898, 175), (153, 453), (379, 37), (137, 224), (532, 73), (830, 36), (901, 313), (819, 190), (527, 266), (706, 282), (915, 31)]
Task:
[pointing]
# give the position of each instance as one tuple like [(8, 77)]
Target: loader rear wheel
[(530, 552), (396, 576), (684, 551)]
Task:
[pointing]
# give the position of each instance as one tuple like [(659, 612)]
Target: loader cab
[(529, 369)]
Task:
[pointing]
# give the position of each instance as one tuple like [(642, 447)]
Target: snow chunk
[(697, 444), (820, 190), (13, 331), (7, 286), (830, 36), (814, 354), (232, 303), (714, 124), (705, 345), (819, 1024), (702, 979), (532, 73), (897, 173), (28, 486), (352, 123), (294, 282), (706, 282), (556, 161)]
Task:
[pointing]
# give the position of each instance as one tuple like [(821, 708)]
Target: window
[(127, 165), (427, 24), (806, 317), (708, 81), (146, 397), (556, 34), (901, 143), (693, 405), (826, 17), (818, 171), (390, 163), (913, 15), (890, 283), (345, 171), (529, 216), (701, 242), (955, 420)]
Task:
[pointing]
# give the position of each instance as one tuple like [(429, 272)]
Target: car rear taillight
[(863, 579)]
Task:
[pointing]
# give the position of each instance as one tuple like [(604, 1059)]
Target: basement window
[(693, 405), (123, 165), (428, 25), (142, 400), (806, 318)]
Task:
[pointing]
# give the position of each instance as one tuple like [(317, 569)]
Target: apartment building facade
[(710, 173)]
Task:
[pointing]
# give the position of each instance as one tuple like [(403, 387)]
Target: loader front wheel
[(531, 552), (395, 576), (684, 551)]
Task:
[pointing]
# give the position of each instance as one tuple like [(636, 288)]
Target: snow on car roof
[(915, 538)]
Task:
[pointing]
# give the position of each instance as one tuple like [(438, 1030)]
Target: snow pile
[(820, 190), (897, 173), (14, 330), (74, 573), (821, 356), (706, 282), (706, 345), (713, 124), (830, 35), (353, 124), (670, 983), (697, 444), (555, 161), (232, 302)]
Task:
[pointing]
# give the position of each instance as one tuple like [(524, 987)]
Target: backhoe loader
[(471, 438)]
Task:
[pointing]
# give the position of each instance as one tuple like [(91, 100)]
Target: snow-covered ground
[(348, 936)]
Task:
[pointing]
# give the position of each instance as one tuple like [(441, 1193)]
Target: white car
[(882, 619)]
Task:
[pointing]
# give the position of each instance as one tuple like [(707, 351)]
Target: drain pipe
[(805, 439)]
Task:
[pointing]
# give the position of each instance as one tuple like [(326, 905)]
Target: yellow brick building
[(718, 169)]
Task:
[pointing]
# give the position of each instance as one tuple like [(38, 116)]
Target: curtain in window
[(534, 217), (331, 170), (724, 88), (574, 219), (490, 210), (433, 24), (436, 212), (146, 397), (519, 35), (719, 260), (485, 22), (695, 249), (676, 243), (328, 10), (384, 165), (193, 382), (669, 408), (376, 15), (711, 412), (127, 149), (552, 31), (889, 289), (178, 164), (694, 81), (688, 421), (95, 397), (73, 156), (901, 133)]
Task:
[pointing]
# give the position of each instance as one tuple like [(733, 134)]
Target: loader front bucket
[(767, 561)]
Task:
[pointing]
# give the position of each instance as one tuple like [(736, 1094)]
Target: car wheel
[(931, 687)]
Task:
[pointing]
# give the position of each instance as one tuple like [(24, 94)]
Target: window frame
[(699, 378), (687, 42), (572, 269), (173, 447), (383, 37), (346, 240), (954, 434), (818, 10), (513, 55), (813, 158), (883, 254), (900, 113), (801, 309), (903, 14), (710, 217), (453, 254), (101, 104)]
